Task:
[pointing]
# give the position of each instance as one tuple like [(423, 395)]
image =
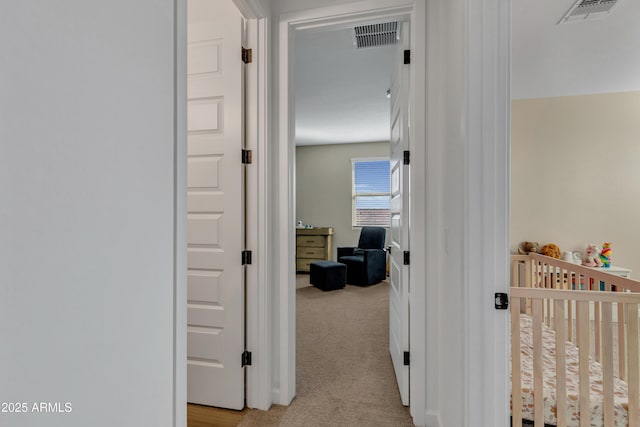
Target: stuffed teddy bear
[(592, 256), (552, 250), (528, 247)]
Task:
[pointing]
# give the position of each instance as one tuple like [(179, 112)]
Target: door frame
[(258, 307), (286, 200), (179, 368)]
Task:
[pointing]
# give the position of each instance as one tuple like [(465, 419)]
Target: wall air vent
[(588, 10), (374, 35)]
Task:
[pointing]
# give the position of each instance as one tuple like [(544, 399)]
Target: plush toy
[(527, 247), (551, 250), (592, 256), (605, 255)]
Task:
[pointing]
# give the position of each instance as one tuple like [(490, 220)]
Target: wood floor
[(206, 416)]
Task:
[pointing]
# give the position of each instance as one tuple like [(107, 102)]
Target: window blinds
[(371, 204)]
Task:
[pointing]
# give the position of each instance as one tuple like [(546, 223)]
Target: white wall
[(324, 187), (445, 340), (87, 138), (467, 198), (575, 176)]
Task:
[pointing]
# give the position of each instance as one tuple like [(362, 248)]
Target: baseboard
[(432, 419), (275, 395)]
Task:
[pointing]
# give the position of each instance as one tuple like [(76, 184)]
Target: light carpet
[(344, 375)]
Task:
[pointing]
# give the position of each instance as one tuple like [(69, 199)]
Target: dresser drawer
[(310, 252), (315, 241), (302, 264), (313, 244)]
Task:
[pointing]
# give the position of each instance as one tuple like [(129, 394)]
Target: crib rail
[(539, 271), (628, 303)]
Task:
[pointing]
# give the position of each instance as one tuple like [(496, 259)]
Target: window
[(371, 195)]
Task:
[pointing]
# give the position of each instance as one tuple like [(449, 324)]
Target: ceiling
[(575, 58), (340, 91)]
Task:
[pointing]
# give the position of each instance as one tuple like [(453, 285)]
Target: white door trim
[(285, 274), (179, 373), (259, 308)]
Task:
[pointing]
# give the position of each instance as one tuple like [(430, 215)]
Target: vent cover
[(588, 10), (374, 35)]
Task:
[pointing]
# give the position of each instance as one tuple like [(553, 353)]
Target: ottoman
[(328, 275)]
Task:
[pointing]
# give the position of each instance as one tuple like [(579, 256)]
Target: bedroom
[(575, 129), (342, 115), (574, 179)]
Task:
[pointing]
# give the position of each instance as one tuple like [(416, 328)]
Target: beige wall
[(323, 186), (575, 173)]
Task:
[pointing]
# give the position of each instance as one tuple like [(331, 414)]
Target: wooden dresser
[(313, 244)]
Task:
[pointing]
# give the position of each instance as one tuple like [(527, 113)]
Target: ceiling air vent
[(588, 10), (374, 35)]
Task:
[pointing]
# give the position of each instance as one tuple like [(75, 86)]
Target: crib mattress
[(549, 381)]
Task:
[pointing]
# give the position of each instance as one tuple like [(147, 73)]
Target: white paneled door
[(215, 311), (399, 239)]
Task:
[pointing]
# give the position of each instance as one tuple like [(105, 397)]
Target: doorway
[(208, 60), (347, 77), (314, 20)]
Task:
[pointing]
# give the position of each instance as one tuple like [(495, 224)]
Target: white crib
[(580, 321)]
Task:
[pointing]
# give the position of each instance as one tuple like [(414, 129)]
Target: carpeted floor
[(344, 375)]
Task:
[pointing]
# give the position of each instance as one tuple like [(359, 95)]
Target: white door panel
[(203, 143), (211, 259), (205, 201), (203, 286), (204, 57), (204, 87), (204, 229), (203, 172), (205, 115), (206, 316), (203, 343), (215, 221), (399, 235)]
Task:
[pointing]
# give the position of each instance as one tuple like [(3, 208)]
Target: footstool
[(328, 275)]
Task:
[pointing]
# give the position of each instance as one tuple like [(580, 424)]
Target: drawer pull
[(310, 241), (310, 253)]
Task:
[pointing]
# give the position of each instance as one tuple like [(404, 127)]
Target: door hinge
[(246, 358), (502, 301), (407, 56), (247, 157), (407, 258), (246, 55), (406, 157), (406, 358), (246, 257)]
